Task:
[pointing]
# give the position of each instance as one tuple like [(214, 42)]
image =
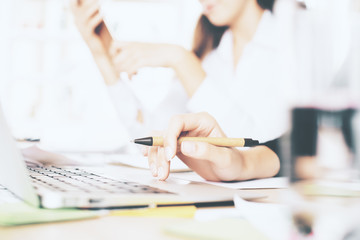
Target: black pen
[(217, 141)]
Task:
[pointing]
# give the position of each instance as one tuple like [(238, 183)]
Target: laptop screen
[(13, 173)]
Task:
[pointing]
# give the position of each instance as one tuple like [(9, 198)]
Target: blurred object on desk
[(323, 146), (325, 133)]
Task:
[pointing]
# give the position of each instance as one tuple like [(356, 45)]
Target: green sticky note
[(13, 214), (221, 229)]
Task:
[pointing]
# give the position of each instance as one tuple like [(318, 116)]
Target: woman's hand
[(87, 17), (211, 162), (129, 57)]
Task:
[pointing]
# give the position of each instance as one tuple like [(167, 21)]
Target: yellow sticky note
[(177, 212)]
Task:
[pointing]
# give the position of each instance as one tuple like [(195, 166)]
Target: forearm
[(258, 162), (230, 164), (106, 68), (188, 69)]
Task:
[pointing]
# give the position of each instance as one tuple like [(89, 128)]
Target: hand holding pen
[(212, 162)]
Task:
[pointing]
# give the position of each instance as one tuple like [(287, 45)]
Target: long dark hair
[(207, 36)]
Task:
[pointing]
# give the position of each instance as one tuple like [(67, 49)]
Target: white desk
[(109, 227)]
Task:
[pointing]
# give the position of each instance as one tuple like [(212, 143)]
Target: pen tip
[(132, 141)]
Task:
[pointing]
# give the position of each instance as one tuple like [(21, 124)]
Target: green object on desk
[(220, 229), (13, 214)]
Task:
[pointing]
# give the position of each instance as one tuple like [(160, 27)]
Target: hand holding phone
[(102, 31), (104, 34)]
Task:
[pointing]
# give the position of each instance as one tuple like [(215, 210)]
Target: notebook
[(98, 187)]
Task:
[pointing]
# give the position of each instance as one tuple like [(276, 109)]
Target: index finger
[(183, 123)]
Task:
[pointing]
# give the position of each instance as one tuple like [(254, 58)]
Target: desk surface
[(101, 228), (109, 227)]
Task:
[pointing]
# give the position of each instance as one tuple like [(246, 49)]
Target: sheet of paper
[(142, 162), (275, 182), (12, 214), (134, 159)]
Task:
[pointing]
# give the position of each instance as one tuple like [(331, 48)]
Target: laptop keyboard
[(75, 180)]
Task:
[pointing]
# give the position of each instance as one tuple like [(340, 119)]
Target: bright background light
[(48, 78)]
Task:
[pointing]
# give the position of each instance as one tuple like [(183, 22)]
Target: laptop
[(99, 187)]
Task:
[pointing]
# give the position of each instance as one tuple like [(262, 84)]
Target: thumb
[(116, 47), (204, 151)]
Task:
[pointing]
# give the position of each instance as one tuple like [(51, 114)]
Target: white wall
[(47, 73)]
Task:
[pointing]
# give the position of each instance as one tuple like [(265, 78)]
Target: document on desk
[(132, 160), (140, 161), (266, 183), (135, 159)]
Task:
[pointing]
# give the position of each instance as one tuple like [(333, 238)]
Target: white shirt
[(247, 100)]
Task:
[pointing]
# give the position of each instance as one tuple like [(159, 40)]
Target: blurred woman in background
[(233, 71)]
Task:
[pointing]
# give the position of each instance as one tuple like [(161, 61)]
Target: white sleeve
[(262, 117), (212, 98)]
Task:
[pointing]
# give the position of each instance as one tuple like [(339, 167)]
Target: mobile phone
[(102, 31), (104, 34)]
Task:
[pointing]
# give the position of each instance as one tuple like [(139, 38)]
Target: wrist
[(96, 47), (98, 52), (177, 56), (107, 69)]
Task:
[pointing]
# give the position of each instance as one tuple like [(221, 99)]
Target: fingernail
[(161, 173), (168, 153), (188, 147), (153, 169)]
